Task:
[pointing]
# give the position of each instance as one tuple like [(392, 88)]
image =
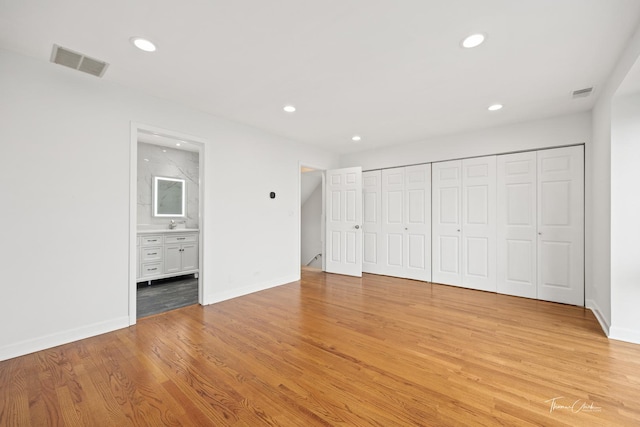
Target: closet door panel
[(447, 222), (561, 225), (417, 247), (394, 245), (449, 256), (517, 224), (479, 223), (371, 202), (392, 228)]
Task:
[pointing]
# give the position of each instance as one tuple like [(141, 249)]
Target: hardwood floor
[(332, 350)]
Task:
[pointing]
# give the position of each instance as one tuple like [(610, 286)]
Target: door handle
[(357, 227)]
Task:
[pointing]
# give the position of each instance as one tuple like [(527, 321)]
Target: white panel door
[(392, 238), (417, 240), (371, 222), (479, 223), (517, 224), (447, 222), (561, 225), (343, 201)]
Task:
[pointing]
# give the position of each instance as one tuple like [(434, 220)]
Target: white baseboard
[(246, 290), (53, 340), (593, 306), (623, 334)]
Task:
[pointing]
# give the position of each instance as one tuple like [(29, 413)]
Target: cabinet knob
[(357, 227)]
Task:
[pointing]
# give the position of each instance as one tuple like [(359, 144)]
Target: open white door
[(344, 221)]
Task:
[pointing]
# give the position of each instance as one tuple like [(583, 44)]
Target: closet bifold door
[(371, 221), (417, 249), (479, 223), (447, 222), (561, 225), (517, 224), (392, 229), (405, 249), (464, 223), (541, 225)]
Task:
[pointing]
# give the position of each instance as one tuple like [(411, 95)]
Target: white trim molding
[(64, 337), (593, 306), (624, 334), (246, 290)]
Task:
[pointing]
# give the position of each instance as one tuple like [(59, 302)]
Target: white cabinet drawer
[(180, 238), (152, 253), (151, 269), (153, 240)]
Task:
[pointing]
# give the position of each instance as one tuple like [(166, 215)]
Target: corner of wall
[(600, 317)]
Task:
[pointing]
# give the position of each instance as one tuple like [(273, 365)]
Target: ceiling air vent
[(582, 93), (78, 61)]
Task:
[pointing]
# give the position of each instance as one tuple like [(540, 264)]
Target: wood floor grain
[(333, 350)]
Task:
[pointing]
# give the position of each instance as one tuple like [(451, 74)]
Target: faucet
[(172, 225)]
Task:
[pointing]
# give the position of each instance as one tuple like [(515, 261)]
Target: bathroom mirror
[(169, 196)]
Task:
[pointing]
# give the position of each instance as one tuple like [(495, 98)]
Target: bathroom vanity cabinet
[(163, 254)]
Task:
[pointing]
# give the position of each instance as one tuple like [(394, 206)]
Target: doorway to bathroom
[(166, 221)]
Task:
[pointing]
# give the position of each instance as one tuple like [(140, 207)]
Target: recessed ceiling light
[(495, 107), (289, 108), (473, 40), (164, 151), (143, 44), (356, 138), (177, 144)]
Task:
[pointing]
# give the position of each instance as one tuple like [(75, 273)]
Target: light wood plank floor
[(332, 350)]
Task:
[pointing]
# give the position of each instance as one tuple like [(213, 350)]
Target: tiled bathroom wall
[(156, 160)]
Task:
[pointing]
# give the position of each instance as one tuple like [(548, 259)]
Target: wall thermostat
[(272, 195)]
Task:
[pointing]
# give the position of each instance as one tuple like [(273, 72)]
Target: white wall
[(599, 286), (625, 211), (311, 228), (556, 131), (65, 152)]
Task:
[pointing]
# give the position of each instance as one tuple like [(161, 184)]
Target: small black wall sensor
[(272, 195)]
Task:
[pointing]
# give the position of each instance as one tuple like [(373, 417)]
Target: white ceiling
[(392, 71), (167, 141)]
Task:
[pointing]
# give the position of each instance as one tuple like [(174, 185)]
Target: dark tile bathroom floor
[(166, 294)]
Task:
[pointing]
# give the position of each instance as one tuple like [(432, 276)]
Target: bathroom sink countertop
[(166, 230)]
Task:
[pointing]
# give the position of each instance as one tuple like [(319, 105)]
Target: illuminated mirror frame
[(156, 181)]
